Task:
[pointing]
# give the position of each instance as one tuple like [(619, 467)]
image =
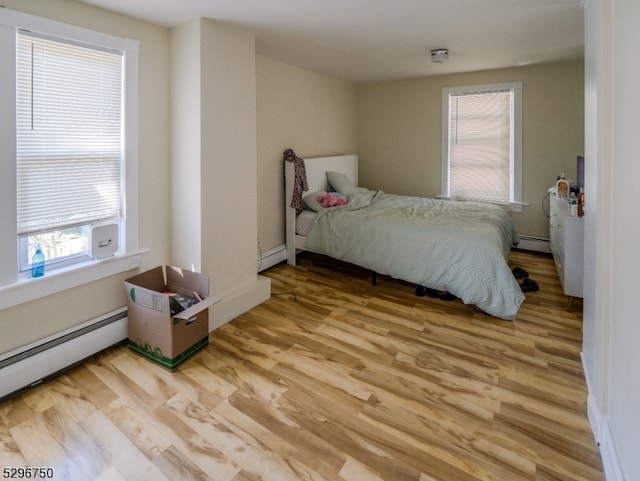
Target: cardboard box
[(155, 331)]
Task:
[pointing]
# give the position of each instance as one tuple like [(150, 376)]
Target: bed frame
[(315, 169)]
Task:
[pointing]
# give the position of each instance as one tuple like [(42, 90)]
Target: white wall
[(612, 262), (624, 388), (214, 163), (186, 148), (229, 155)]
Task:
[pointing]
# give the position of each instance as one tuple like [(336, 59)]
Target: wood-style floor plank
[(331, 379)]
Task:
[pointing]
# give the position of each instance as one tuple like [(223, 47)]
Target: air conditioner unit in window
[(104, 240)]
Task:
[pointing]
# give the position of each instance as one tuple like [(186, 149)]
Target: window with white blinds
[(69, 150), (69, 137), (481, 146)]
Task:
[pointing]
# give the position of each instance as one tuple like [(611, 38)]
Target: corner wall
[(214, 186), (313, 114)]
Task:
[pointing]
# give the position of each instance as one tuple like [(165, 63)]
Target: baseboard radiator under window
[(36, 363), (536, 244)]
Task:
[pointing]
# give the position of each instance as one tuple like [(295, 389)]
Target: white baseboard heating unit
[(271, 257), (536, 244), (35, 363)]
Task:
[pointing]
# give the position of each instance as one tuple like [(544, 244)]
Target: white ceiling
[(372, 40)]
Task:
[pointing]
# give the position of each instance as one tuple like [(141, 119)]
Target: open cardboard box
[(154, 332)]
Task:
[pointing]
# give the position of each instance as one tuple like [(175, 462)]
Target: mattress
[(304, 222)]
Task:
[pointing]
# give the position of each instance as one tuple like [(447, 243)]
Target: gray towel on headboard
[(300, 179)]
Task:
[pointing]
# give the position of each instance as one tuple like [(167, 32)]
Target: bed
[(453, 246)]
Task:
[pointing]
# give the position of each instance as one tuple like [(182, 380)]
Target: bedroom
[(332, 111)]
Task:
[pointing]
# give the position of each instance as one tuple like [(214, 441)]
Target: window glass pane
[(58, 246), (69, 134), (481, 146)]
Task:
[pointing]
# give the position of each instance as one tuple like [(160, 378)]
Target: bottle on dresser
[(581, 202), (573, 204)]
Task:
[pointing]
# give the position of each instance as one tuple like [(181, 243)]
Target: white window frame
[(14, 289), (515, 201)]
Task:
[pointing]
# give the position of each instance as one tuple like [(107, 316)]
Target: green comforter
[(460, 247)]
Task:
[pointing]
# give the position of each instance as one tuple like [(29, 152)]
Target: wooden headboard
[(315, 168)]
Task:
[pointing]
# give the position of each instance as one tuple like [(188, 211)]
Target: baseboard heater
[(537, 244), (34, 364), (271, 257)]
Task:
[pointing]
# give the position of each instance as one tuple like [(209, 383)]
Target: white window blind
[(481, 146), (69, 134)]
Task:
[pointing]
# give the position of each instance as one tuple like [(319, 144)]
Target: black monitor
[(580, 176)]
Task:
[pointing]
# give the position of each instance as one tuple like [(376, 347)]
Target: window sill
[(511, 206), (29, 289)]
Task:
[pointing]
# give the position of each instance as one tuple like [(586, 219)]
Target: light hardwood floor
[(331, 379)]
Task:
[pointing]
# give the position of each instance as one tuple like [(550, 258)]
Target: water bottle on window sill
[(37, 263)]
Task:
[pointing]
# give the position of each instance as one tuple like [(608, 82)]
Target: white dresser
[(567, 245)]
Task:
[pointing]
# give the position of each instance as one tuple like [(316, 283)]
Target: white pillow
[(311, 202), (341, 183)]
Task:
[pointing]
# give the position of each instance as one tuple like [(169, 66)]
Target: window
[(69, 136), (482, 143), (68, 144)]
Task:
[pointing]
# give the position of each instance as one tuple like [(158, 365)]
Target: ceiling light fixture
[(439, 55)]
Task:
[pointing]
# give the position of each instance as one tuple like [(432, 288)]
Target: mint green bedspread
[(454, 246)]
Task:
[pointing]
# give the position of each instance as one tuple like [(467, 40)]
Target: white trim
[(604, 438), (239, 301), (60, 334), (444, 179), (511, 206), (595, 418), (129, 228), (33, 368), (29, 289), (8, 241), (611, 465), (516, 199), (593, 412), (15, 19), (602, 432)]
